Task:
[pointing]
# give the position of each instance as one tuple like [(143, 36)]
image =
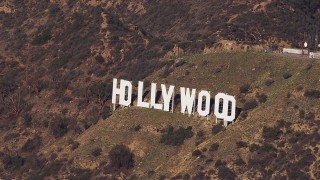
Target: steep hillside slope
[(282, 124)]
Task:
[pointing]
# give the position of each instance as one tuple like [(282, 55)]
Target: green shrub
[(99, 59), (287, 75), (266, 147), (96, 152), (91, 118), (137, 128), (311, 93), (241, 144), (245, 88), (310, 116), (254, 147), (196, 153), (176, 137), (31, 144), (214, 147), (251, 104), (59, 127), (74, 145), (217, 128), (262, 98), (309, 66), (13, 162), (43, 38), (59, 62), (271, 133), (244, 115), (226, 173), (120, 156), (269, 82), (299, 88), (52, 168), (27, 120), (105, 112)]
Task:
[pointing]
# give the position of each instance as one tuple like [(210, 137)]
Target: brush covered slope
[(274, 136)]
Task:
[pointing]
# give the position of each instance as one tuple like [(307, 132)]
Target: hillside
[(58, 58), (252, 139)]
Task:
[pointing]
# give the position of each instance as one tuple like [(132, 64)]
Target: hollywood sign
[(224, 105)]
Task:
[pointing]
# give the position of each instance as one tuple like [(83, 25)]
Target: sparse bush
[(254, 147), (43, 38), (31, 144), (52, 168), (137, 128), (262, 98), (186, 177), (301, 113), (200, 137), (180, 63), (91, 118), (269, 82), (309, 66), (196, 153), (176, 137), (244, 115), (266, 147), (220, 163), (299, 88), (217, 128), (226, 173), (96, 152), (99, 59), (162, 177), (121, 157), (217, 70), (286, 75), (27, 120), (166, 72), (74, 145), (80, 174), (59, 127), (271, 133), (11, 136), (205, 62), (13, 162), (288, 95), (239, 161), (59, 62), (310, 116), (251, 104), (311, 93), (214, 147), (241, 144), (245, 88), (105, 112)]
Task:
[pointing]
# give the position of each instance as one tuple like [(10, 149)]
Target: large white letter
[(123, 85), (115, 91), (206, 111), (153, 97), (187, 99), (140, 102), (226, 101), (166, 96)]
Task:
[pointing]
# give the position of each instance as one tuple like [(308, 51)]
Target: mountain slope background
[(58, 59)]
